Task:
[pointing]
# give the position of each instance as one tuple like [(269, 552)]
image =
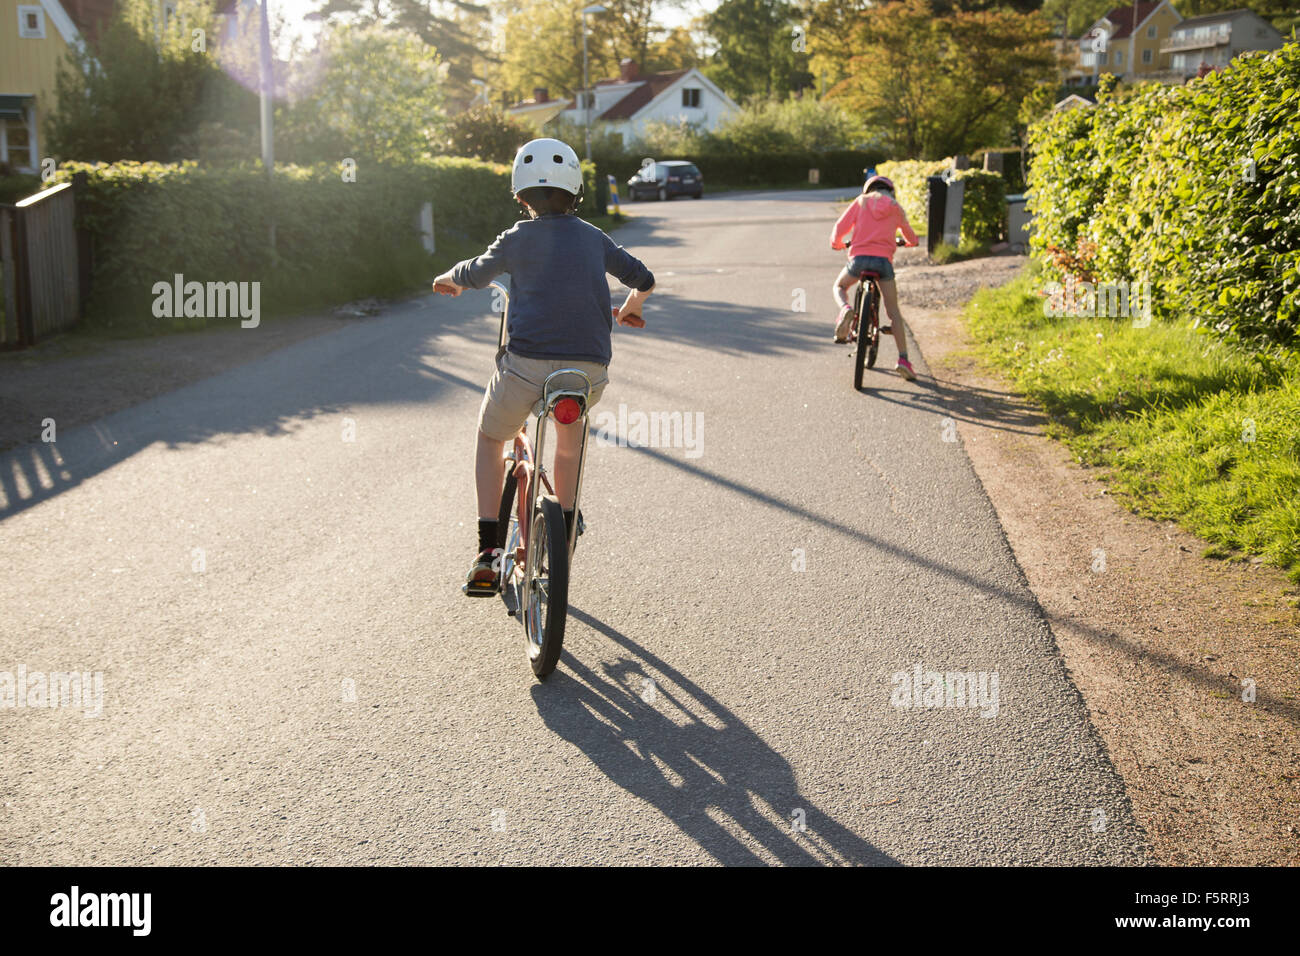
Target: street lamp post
[(586, 93)]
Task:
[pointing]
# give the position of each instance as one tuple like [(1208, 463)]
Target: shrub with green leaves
[(911, 185), (984, 206), (335, 239), (1194, 188)]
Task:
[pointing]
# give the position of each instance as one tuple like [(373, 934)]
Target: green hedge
[(911, 185), (335, 240), (984, 206), (841, 167), (1194, 188), (16, 186)]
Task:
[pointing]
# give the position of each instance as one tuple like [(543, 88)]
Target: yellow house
[(1127, 42), (34, 37)]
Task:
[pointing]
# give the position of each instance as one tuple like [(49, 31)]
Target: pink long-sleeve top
[(871, 221)]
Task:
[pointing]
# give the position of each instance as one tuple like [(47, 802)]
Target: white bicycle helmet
[(546, 162)]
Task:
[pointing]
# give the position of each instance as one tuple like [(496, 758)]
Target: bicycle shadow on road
[(968, 404), (665, 739)]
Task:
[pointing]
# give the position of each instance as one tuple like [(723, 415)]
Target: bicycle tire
[(860, 355), (874, 326), (544, 627)]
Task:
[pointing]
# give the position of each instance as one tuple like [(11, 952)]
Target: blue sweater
[(559, 296)]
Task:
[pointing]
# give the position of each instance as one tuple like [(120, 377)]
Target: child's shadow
[(664, 739)]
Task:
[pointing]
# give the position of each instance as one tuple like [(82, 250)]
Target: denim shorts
[(877, 264)]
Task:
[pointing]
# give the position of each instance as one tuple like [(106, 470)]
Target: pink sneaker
[(904, 368)]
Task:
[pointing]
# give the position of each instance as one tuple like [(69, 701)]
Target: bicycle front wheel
[(546, 586)]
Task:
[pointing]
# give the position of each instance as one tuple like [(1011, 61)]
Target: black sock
[(568, 523), (487, 534)]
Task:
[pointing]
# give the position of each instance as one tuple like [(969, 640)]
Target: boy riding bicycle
[(872, 220), (560, 317)]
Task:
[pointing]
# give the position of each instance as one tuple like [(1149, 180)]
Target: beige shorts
[(516, 387)]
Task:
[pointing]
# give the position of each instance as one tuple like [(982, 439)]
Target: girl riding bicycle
[(559, 318), (872, 221)]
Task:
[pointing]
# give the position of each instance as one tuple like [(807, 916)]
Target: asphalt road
[(309, 685)]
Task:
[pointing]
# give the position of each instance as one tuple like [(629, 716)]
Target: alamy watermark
[(1113, 300), (213, 300), (628, 429), (38, 689), (932, 689)]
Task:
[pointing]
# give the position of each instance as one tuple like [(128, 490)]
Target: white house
[(1215, 39), (625, 105)]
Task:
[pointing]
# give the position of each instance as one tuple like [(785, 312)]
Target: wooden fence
[(40, 265)]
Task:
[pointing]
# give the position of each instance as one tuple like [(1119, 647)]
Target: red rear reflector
[(567, 411)]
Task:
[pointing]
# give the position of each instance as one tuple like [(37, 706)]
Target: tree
[(1283, 14), (938, 85), (543, 43), (137, 92), (676, 49), (758, 49), (379, 98), (1072, 17), (459, 31)]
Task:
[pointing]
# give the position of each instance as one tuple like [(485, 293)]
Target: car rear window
[(690, 171)]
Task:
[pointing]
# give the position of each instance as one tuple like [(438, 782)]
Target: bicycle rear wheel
[(546, 586), (860, 356), (873, 310)]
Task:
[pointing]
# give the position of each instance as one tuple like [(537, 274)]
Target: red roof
[(1122, 17), (655, 84)]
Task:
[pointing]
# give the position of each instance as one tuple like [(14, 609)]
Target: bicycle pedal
[(480, 591)]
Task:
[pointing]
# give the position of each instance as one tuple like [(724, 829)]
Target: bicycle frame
[(526, 459)]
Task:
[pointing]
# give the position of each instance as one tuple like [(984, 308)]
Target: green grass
[(1164, 410)]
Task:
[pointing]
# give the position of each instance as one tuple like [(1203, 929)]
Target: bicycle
[(534, 548), (868, 344)]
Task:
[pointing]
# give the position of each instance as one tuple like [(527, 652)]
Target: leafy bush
[(911, 185), (984, 206), (1193, 188), (487, 134), (795, 124), (16, 186)]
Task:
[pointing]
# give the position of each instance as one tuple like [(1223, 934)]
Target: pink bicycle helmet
[(883, 181)]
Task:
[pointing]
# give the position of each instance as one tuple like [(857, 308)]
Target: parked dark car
[(664, 180)]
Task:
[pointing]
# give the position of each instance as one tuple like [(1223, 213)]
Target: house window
[(1101, 58), (1119, 57), (31, 23), (1151, 32), (1146, 56), (15, 142), (691, 97)]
